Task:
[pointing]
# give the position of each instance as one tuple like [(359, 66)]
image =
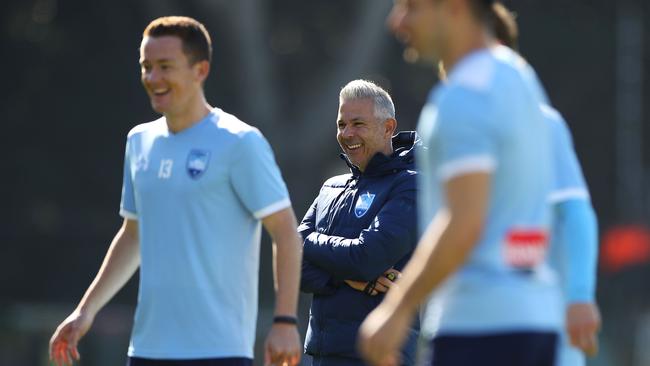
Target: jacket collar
[(402, 158)]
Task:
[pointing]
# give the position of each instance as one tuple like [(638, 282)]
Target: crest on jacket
[(197, 163), (363, 204)]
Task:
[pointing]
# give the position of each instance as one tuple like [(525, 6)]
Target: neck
[(468, 38), (387, 151), (194, 112)]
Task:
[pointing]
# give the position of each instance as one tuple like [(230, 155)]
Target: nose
[(151, 76), (395, 18), (347, 131)]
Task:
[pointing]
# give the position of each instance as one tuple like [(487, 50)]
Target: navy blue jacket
[(360, 225)]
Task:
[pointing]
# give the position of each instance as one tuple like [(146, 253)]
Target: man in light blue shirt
[(574, 244), (197, 184), (574, 248), (484, 214)]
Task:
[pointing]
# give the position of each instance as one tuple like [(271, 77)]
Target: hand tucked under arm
[(380, 285)]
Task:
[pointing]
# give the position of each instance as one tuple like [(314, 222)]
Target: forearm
[(121, 261), (443, 249), (287, 275), (579, 236), (287, 256), (363, 258), (336, 254)]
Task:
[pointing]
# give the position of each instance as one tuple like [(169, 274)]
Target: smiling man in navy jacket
[(361, 229)]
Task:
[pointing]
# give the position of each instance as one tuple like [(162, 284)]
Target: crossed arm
[(331, 260)]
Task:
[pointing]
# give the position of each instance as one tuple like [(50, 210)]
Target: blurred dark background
[(71, 92)]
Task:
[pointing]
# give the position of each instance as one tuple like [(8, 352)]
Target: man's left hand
[(282, 346)]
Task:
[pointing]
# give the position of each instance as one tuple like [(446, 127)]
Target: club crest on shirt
[(363, 204), (141, 163), (197, 163)]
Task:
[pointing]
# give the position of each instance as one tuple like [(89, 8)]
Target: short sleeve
[(465, 140), (256, 178), (127, 204), (569, 182)]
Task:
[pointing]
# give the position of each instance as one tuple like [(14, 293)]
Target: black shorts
[(516, 348), (232, 361)]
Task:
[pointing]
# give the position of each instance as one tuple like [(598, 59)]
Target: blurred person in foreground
[(574, 242), (361, 228), (574, 248), (483, 200), (197, 184)]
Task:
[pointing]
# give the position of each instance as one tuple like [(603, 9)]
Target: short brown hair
[(197, 45), (499, 19)]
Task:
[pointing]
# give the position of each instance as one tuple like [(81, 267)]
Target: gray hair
[(364, 89)]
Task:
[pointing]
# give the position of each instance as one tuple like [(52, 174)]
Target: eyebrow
[(159, 61)]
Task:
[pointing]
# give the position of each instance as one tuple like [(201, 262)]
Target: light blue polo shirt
[(486, 118), (569, 185), (198, 196)]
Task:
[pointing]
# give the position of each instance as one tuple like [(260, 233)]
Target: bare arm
[(443, 248), (286, 259), (283, 341), (448, 240), (121, 261)]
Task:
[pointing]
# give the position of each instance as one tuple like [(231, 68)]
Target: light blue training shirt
[(574, 248), (570, 185), (486, 118), (198, 196)]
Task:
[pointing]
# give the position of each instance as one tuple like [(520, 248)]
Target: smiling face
[(171, 81), (360, 133)]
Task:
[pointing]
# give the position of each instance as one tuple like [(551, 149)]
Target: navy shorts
[(335, 361), (233, 361), (516, 348)]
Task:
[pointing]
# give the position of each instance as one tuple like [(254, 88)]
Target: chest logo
[(197, 163), (363, 204), (141, 163)]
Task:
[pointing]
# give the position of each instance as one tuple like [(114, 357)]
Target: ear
[(390, 126), (202, 70)]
